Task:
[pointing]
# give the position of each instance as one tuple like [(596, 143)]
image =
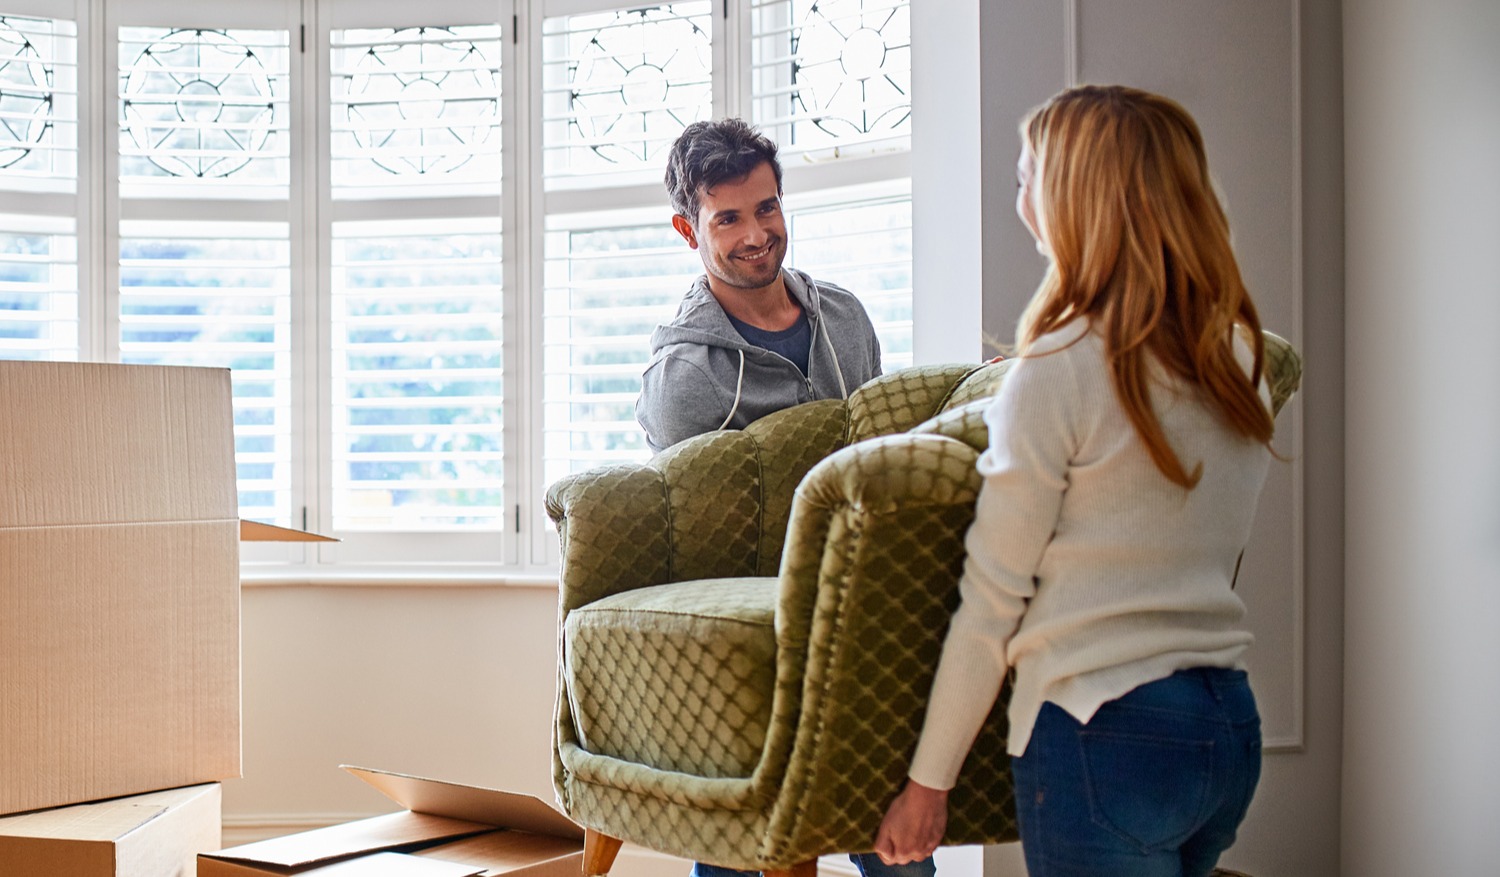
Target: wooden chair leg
[(599, 851), (808, 868)]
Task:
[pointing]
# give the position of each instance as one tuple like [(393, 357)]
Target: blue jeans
[(868, 864), (1155, 785)]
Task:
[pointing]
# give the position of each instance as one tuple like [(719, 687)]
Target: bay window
[(429, 240)]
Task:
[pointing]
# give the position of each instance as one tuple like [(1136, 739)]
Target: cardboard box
[(119, 581), (153, 835), (447, 830)]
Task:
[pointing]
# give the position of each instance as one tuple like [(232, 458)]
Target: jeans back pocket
[(1151, 791)]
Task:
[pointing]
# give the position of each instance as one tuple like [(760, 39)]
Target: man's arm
[(677, 402)]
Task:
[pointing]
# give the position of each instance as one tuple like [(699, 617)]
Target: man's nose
[(765, 229)]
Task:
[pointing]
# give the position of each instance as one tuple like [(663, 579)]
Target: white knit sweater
[(1088, 571)]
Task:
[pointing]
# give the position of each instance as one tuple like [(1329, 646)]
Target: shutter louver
[(38, 183)]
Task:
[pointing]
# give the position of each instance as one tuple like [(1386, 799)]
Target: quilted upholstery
[(709, 712), (750, 623)]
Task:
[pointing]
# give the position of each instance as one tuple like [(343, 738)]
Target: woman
[(1128, 446)]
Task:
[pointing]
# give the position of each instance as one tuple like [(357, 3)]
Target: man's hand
[(914, 825)]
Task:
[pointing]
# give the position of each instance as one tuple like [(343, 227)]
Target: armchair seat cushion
[(698, 657)]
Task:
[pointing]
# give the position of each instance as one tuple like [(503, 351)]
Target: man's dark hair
[(709, 153)]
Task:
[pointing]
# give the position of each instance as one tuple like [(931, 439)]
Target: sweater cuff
[(935, 770)]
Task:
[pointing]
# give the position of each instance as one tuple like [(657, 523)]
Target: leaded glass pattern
[(416, 107), (202, 106), (618, 87), (832, 75), (607, 288), (38, 100), (417, 375)]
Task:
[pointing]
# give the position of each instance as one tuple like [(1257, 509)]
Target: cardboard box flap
[(501, 852), (121, 444), (489, 806), (396, 865), (101, 820), (349, 839), (255, 531), (108, 821)]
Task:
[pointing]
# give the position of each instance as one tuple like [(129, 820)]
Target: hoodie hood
[(701, 319), (704, 375)]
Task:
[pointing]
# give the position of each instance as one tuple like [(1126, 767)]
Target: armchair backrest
[(722, 501)]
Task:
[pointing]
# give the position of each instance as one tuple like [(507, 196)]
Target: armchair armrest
[(693, 511), (1283, 368), (613, 529), (712, 506), (868, 585)]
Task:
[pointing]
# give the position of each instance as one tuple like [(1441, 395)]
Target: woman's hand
[(914, 825)]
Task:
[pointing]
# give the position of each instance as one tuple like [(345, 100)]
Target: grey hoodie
[(704, 376)]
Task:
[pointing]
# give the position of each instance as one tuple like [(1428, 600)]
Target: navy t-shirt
[(793, 342)]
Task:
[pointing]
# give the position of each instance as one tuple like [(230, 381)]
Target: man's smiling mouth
[(757, 255)]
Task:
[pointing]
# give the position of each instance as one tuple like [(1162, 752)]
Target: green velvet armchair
[(750, 623)]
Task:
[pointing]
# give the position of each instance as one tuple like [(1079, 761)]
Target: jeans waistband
[(1222, 683)]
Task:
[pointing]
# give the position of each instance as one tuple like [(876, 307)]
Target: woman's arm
[(1035, 426)]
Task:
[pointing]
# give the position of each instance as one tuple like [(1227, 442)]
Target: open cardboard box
[(446, 830), (119, 581), (153, 835)]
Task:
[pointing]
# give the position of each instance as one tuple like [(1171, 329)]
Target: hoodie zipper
[(806, 379)]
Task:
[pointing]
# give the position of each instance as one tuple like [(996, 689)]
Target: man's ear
[(685, 229)]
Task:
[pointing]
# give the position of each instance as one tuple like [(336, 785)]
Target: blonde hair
[(1139, 246)]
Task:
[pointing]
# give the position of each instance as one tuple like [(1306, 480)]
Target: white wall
[(448, 682), (1422, 657)]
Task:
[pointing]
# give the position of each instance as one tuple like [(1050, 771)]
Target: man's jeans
[(868, 864), (1155, 785)]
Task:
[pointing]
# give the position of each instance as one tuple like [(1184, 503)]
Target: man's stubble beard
[(727, 270)]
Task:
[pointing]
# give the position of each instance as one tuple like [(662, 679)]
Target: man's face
[(740, 232)]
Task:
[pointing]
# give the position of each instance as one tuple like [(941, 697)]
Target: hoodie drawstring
[(739, 384), (843, 390), (838, 368)]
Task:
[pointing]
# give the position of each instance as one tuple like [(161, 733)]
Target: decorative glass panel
[(417, 379), (865, 247), (203, 106), (832, 74), (38, 101), (606, 289), (618, 87), (416, 107), (218, 294)]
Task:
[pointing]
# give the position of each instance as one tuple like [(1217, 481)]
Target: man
[(750, 337)]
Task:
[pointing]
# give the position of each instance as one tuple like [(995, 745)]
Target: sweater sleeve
[(1034, 428)]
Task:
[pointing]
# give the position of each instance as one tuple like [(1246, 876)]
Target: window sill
[(414, 577)]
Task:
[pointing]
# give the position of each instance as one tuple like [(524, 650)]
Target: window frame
[(525, 548)]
